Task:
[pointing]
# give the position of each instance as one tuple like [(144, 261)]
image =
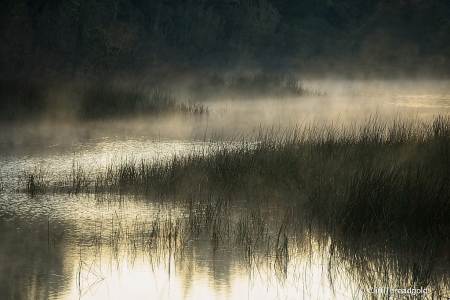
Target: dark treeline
[(376, 37)]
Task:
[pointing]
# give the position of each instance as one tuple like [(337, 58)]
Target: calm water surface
[(86, 247)]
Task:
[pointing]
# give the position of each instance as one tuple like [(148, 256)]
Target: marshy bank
[(107, 98), (369, 202), (377, 177), (176, 104), (244, 200), (24, 99)]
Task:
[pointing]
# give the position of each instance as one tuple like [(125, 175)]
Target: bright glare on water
[(93, 247)]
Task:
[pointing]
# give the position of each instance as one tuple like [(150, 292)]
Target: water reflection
[(86, 247), (31, 268), (84, 266), (423, 101), (83, 248)]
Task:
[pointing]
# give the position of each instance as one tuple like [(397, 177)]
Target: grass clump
[(110, 100), (368, 180), (24, 99), (377, 178), (372, 198)]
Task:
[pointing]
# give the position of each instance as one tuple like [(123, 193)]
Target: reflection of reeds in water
[(32, 258), (89, 277), (383, 184), (394, 268), (275, 248)]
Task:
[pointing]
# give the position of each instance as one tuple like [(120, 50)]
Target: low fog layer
[(235, 116)]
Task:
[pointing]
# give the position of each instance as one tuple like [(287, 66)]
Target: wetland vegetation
[(112, 98), (23, 99), (361, 203), (360, 193), (377, 177), (211, 149)]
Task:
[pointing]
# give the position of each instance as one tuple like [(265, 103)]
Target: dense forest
[(317, 37)]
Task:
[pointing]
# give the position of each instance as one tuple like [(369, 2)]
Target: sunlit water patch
[(93, 156), (85, 246), (423, 101), (140, 250)]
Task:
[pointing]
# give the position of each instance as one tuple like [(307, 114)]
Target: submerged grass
[(271, 248)]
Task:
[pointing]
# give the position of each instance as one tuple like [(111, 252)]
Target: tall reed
[(377, 177)]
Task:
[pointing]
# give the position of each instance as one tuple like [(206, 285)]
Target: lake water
[(61, 246)]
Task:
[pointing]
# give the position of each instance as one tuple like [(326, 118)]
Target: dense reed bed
[(256, 85), (372, 199), (375, 178), (100, 99), (112, 100)]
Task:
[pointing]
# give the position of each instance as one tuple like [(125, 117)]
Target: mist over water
[(331, 101), (82, 247)]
